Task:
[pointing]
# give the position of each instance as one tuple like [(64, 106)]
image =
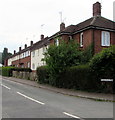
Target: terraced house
[(96, 30)]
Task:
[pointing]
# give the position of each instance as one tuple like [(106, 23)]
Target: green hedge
[(7, 71), (42, 74), (103, 63), (78, 77)]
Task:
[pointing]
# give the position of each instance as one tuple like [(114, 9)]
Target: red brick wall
[(87, 38), (63, 37), (90, 36), (6, 62), (24, 61)]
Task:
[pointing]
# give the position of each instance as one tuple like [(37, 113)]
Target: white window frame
[(57, 42), (28, 64), (105, 38), (33, 54), (33, 66), (81, 39), (28, 53)]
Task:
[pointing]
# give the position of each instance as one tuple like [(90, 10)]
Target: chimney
[(62, 26), (19, 48), (31, 43), (42, 36), (14, 52), (25, 46), (97, 9)]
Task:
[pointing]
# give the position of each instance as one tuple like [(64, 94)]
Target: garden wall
[(25, 75)]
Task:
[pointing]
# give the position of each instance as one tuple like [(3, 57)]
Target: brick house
[(22, 58), (97, 30)]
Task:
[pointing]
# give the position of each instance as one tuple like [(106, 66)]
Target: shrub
[(42, 74), (80, 78), (58, 58), (103, 63), (7, 71)]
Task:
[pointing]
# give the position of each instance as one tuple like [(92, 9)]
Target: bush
[(58, 58), (80, 78), (77, 77), (7, 71), (42, 74), (103, 63)]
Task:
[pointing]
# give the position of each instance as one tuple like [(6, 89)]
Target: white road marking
[(73, 116), (31, 98), (5, 86)]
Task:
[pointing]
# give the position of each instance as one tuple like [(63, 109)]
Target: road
[(23, 101)]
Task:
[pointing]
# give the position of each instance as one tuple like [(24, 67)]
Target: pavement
[(77, 93)]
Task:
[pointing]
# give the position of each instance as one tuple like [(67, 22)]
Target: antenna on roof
[(64, 20), (60, 16), (42, 28)]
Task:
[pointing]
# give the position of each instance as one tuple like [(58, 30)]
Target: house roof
[(96, 21), (40, 44)]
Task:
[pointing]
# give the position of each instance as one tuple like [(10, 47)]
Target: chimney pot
[(62, 26), (31, 43), (96, 9), (25, 45), (42, 36), (19, 48), (14, 52)]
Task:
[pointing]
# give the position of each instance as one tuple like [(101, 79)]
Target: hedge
[(78, 77), (7, 71), (42, 74)]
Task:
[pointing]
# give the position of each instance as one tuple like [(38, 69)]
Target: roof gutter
[(94, 27)]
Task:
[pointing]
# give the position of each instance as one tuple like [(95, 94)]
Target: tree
[(60, 57), (5, 55)]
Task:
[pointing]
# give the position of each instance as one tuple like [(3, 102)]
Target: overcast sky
[(24, 20)]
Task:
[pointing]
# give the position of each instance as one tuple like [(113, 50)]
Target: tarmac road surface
[(24, 101)]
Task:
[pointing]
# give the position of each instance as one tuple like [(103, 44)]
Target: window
[(28, 53), (33, 66), (57, 42), (81, 40), (44, 50), (33, 53), (28, 64), (38, 52), (70, 38), (105, 38)]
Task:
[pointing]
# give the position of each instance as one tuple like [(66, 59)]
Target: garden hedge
[(7, 71)]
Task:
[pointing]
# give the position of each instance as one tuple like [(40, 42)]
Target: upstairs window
[(33, 53), (57, 42), (81, 40), (105, 38), (33, 66)]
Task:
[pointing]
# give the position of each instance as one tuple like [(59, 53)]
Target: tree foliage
[(5, 55), (60, 57), (103, 63)]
